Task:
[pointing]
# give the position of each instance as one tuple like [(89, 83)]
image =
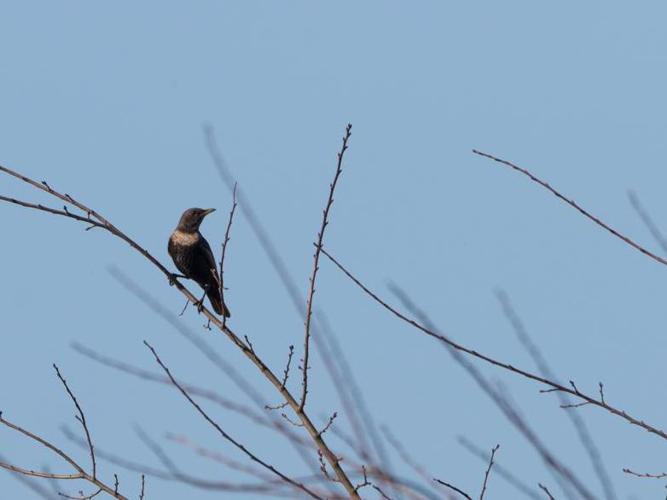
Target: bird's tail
[(217, 303)]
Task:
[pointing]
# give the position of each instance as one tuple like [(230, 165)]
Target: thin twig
[(289, 360), (661, 475), (224, 250), (316, 261), (143, 485), (486, 475), (575, 205), (82, 419), (64, 213), (544, 488), (501, 471), (329, 423), (452, 487)]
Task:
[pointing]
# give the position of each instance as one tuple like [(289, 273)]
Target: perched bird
[(193, 257)]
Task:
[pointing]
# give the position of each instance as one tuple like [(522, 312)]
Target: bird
[(193, 257)]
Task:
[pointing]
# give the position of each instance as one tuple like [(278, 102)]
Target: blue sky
[(107, 102)]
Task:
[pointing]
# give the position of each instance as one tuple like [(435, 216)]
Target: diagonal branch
[(555, 386), (575, 205), (316, 262)]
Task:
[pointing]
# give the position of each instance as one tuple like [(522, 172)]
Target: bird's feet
[(173, 277), (200, 303)]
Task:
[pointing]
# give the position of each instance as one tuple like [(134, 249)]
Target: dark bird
[(193, 257)]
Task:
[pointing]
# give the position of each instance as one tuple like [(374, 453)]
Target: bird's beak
[(207, 211)]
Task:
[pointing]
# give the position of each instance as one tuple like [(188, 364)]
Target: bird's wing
[(210, 259)]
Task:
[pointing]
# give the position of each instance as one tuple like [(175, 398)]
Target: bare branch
[(500, 471), (661, 475), (316, 261), (555, 386), (223, 433), (82, 419), (452, 487), (289, 360), (224, 249), (576, 206), (80, 472), (486, 475)]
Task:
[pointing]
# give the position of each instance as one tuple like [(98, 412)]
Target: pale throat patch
[(181, 238)]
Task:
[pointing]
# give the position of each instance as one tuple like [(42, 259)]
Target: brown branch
[(223, 169), (555, 386), (575, 205), (301, 445), (486, 475), (316, 261), (265, 370), (34, 484), (226, 436)]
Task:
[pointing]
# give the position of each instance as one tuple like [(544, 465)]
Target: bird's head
[(192, 218)]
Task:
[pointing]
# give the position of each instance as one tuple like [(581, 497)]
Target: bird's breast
[(184, 239)]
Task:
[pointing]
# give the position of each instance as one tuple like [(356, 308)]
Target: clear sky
[(106, 101)]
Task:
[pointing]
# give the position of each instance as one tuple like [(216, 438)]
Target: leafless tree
[(359, 464)]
